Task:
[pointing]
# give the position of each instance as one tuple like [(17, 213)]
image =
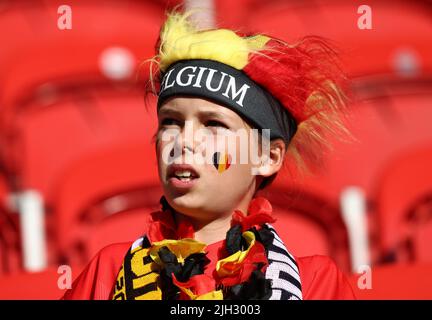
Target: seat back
[(309, 224), (394, 282), (10, 242), (94, 179), (404, 210), (390, 48)]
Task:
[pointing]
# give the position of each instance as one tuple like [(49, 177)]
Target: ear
[(272, 162)]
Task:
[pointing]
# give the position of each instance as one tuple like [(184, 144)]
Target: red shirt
[(320, 277)]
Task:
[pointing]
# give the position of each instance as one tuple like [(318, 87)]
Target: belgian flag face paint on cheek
[(221, 161)]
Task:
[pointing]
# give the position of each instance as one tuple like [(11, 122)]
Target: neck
[(213, 230)]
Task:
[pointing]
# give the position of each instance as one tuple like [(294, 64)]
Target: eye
[(169, 122), (216, 123)]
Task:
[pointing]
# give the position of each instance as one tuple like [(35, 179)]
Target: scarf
[(166, 263)]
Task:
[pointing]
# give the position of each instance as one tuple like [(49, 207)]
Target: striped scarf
[(173, 269), (283, 271)]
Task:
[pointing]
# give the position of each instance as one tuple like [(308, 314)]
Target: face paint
[(221, 161)]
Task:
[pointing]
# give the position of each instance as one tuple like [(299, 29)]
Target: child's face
[(201, 134)]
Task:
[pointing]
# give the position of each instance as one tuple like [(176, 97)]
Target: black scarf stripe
[(286, 283), (284, 271), (285, 295), (281, 247), (146, 289), (283, 275), (276, 234), (283, 260), (128, 280), (288, 277), (282, 250), (288, 261), (288, 296), (280, 244)]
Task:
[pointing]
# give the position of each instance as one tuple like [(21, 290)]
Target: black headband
[(230, 87)]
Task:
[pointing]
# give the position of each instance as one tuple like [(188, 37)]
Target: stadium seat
[(35, 286), (309, 218), (89, 181), (62, 97), (388, 119), (74, 127), (10, 245), (125, 226), (395, 282), (66, 55), (404, 206), (301, 214), (389, 48), (385, 121), (54, 85)]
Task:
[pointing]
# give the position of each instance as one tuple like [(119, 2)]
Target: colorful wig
[(303, 77)]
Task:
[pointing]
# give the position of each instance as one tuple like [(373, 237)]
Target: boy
[(212, 238)]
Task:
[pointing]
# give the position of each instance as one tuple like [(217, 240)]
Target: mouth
[(182, 175)]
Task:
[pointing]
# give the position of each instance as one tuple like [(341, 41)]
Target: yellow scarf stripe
[(181, 248), (139, 274), (138, 277), (237, 258)]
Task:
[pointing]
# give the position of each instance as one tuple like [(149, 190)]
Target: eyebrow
[(212, 114), (170, 112), (208, 114)]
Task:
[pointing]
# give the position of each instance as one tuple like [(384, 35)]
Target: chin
[(185, 203)]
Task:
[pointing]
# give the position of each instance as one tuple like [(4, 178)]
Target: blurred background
[(78, 170)]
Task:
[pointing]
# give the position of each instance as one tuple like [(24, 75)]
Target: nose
[(185, 141)]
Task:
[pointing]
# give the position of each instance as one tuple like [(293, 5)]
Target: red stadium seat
[(28, 62), (395, 282), (404, 206), (58, 101), (125, 226), (388, 121), (310, 218), (391, 47), (393, 118), (29, 286), (73, 127), (119, 218), (81, 138), (303, 215), (55, 91), (293, 228), (35, 286), (90, 181), (10, 245)]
